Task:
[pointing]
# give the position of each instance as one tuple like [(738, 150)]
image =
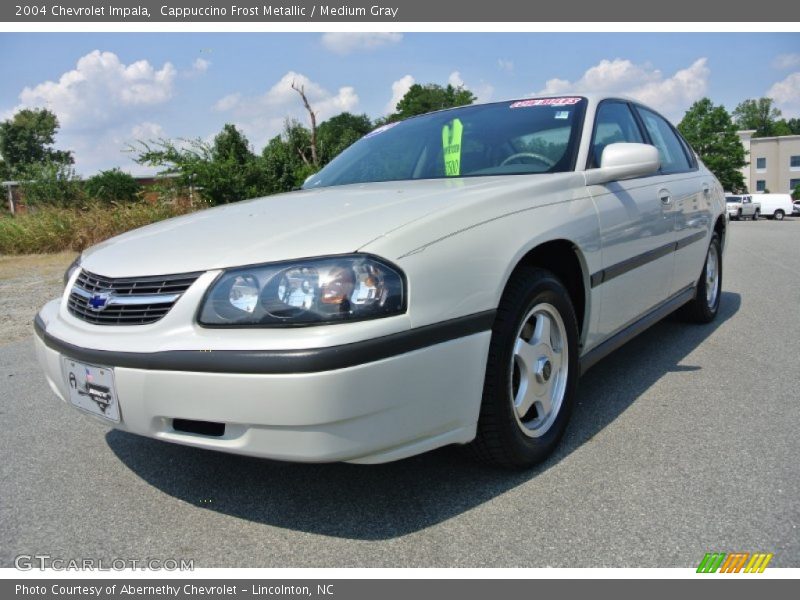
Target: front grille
[(126, 300)]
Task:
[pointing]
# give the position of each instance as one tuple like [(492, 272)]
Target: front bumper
[(403, 399)]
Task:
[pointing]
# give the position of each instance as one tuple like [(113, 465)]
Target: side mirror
[(624, 160)]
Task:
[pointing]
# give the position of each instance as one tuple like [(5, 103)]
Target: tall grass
[(54, 229)]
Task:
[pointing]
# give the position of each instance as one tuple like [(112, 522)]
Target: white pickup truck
[(742, 207)]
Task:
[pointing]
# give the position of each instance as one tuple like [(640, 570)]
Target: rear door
[(636, 227), (689, 193)]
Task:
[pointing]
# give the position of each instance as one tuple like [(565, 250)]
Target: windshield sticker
[(451, 145), (545, 102), (380, 129), (562, 114)]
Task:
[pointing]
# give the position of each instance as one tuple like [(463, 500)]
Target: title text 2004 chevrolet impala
[(444, 280)]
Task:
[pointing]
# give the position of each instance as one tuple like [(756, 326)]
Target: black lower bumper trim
[(310, 360)]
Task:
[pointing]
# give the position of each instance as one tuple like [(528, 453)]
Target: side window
[(670, 150), (614, 122)]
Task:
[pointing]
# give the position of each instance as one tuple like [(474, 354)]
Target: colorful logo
[(734, 562)]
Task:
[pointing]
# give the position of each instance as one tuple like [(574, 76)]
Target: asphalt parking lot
[(684, 442)]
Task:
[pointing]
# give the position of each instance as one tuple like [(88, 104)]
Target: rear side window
[(670, 150), (614, 122)]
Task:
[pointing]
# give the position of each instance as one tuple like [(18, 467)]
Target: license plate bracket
[(91, 388)]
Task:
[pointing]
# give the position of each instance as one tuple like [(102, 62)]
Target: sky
[(109, 90)]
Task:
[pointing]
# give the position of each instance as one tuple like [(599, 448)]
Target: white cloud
[(201, 65), (671, 94), (456, 80), (786, 61), (262, 117), (100, 89), (147, 130), (483, 91), (346, 43), (227, 102), (399, 89), (505, 65), (786, 94)]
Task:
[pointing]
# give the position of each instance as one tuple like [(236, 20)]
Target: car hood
[(306, 223)]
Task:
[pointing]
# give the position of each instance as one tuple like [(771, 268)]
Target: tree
[(112, 186), (26, 139), (793, 126), (50, 183), (223, 172), (421, 99), (230, 145), (711, 132), (760, 115), (312, 138), (339, 132)]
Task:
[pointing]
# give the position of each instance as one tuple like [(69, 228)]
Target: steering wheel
[(548, 161)]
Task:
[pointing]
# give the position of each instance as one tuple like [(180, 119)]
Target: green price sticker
[(451, 145)]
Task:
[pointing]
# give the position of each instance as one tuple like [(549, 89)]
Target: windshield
[(505, 138), (732, 199)]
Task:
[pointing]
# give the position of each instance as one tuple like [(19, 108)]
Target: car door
[(637, 230), (690, 192)]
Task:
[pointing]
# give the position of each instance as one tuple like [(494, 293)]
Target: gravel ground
[(683, 442), (26, 283)]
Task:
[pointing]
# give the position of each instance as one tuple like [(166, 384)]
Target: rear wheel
[(739, 215), (779, 214), (703, 308), (755, 216), (531, 373)]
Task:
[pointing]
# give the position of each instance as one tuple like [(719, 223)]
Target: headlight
[(305, 292), (71, 269)]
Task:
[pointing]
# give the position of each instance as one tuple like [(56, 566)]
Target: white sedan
[(445, 280)]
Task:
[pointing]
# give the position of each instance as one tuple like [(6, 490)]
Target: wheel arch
[(565, 260), (720, 228)]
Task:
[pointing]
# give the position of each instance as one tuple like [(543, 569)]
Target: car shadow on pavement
[(387, 501)]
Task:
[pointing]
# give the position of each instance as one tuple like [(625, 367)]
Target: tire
[(508, 434), (755, 216), (779, 214), (739, 215), (704, 307)]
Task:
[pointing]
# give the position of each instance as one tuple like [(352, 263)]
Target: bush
[(112, 186), (50, 184), (55, 229)]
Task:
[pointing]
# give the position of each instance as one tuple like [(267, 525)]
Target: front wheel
[(703, 308), (779, 214), (531, 372)]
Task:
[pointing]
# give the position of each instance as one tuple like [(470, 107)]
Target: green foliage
[(711, 132), (223, 172), (761, 115), (796, 193), (50, 184), (26, 139), (112, 186), (55, 229), (421, 99), (339, 132), (793, 126)]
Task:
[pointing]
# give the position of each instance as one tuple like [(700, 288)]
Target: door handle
[(706, 189), (665, 197)]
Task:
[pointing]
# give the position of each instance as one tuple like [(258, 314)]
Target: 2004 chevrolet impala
[(444, 280)]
